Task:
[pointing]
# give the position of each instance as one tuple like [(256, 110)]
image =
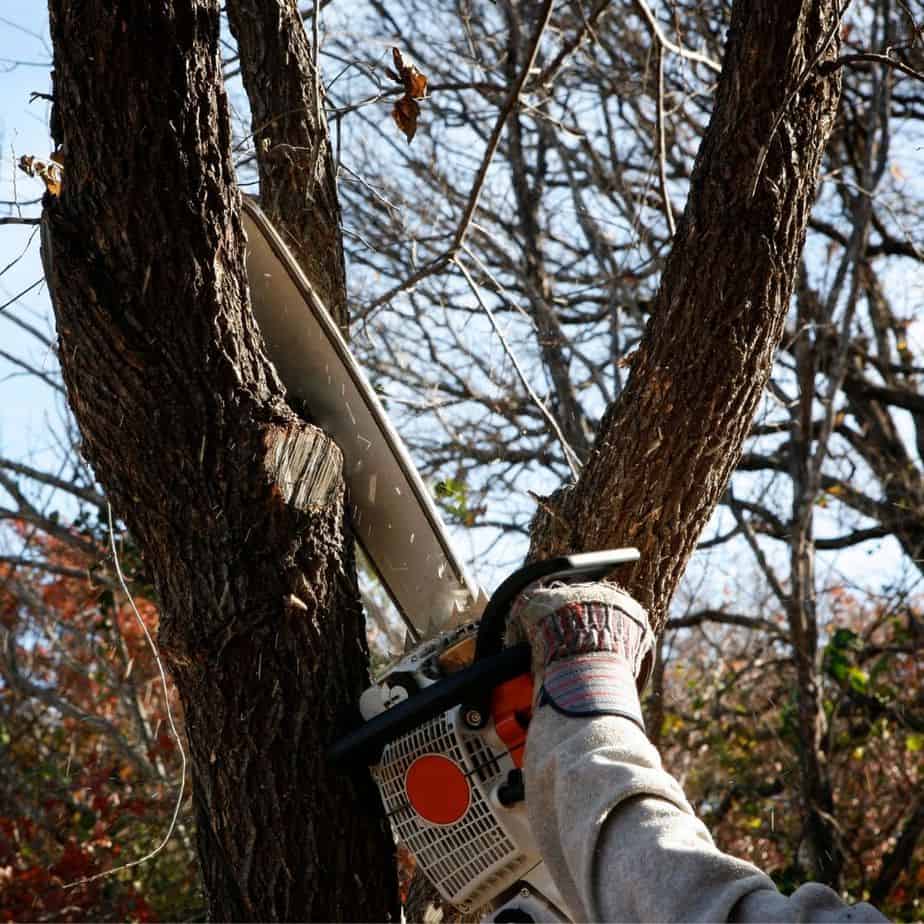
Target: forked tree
[(184, 418)]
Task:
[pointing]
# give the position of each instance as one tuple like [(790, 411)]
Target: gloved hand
[(592, 648)]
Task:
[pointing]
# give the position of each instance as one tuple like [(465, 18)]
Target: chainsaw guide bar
[(394, 518)]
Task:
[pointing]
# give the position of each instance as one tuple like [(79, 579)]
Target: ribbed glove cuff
[(593, 626), (567, 620), (600, 683)]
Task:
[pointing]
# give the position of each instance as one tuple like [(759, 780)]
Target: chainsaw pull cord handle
[(493, 626)]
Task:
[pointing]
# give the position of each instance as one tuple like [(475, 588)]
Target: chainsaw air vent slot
[(483, 760)]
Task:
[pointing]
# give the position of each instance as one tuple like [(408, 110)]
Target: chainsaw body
[(444, 737), (452, 787)]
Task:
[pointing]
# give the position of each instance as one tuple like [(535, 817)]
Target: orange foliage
[(89, 772)]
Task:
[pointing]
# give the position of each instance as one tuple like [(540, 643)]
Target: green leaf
[(914, 742), (836, 664), (453, 495), (843, 638), (858, 679)]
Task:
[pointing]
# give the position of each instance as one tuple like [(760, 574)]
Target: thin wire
[(571, 457), (163, 679)]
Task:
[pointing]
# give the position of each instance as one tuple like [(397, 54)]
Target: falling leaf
[(405, 113), (414, 83), (406, 110)]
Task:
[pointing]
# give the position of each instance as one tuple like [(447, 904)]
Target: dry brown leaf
[(624, 362), (50, 174), (405, 113), (52, 181), (413, 81)]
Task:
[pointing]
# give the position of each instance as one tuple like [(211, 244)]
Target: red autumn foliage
[(88, 771), (729, 734)]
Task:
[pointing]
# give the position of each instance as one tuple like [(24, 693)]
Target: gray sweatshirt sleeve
[(623, 844)]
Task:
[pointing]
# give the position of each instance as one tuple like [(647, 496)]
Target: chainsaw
[(443, 730)]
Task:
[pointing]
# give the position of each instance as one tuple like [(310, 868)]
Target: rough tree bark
[(665, 449), (297, 184), (237, 503)]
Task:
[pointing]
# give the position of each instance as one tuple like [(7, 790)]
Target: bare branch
[(726, 619), (762, 561), (658, 33), (18, 468), (18, 561), (19, 295), (870, 57), (571, 457), (32, 370), (475, 194), (587, 28), (9, 668), (662, 166)]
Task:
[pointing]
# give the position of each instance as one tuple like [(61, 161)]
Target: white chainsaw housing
[(487, 855), (490, 848)]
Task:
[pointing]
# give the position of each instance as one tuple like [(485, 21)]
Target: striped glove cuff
[(600, 683)]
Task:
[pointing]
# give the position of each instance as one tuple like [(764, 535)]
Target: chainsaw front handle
[(492, 665), (364, 746), (591, 566)]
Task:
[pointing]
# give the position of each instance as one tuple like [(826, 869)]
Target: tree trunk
[(237, 503), (298, 189), (666, 448), (820, 836)]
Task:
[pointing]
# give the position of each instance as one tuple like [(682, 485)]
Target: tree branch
[(571, 457), (728, 619), (438, 263), (869, 57), (658, 33)]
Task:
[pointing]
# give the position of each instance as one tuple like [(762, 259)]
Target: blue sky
[(31, 412), (27, 406)]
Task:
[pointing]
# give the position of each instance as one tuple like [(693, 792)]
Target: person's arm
[(614, 829)]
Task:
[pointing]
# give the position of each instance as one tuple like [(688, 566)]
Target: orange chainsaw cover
[(511, 710)]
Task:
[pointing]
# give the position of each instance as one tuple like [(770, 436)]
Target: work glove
[(592, 648)]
